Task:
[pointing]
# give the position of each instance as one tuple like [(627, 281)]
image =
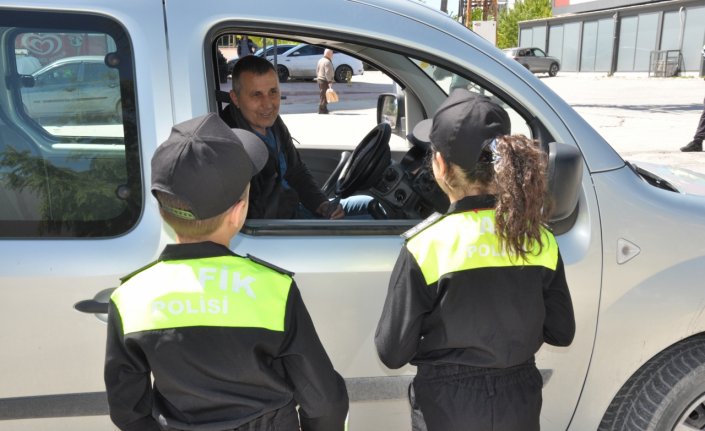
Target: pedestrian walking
[(697, 143), (324, 77)]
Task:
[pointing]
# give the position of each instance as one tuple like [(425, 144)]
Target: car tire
[(343, 73), (283, 73), (667, 393), (553, 70)]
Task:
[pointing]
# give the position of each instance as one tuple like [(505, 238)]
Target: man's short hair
[(253, 64)]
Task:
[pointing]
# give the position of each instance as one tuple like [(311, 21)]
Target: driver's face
[(259, 99)]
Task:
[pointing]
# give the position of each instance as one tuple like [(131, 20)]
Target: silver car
[(73, 87), (300, 63), (535, 60), (76, 213)]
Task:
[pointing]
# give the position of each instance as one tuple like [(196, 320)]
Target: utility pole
[(489, 9), (444, 6)]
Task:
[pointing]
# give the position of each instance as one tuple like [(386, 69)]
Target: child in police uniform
[(226, 339), (475, 292)]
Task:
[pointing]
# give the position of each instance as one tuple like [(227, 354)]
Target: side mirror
[(27, 81), (565, 173), (390, 109)]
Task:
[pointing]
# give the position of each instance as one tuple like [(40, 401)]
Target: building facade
[(663, 38)]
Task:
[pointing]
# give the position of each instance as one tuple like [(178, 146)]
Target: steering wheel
[(367, 163)]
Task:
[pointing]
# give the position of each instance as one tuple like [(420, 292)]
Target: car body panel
[(38, 288), (643, 311), (302, 59)]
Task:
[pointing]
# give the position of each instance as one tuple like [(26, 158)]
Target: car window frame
[(324, 227), (45, 143)]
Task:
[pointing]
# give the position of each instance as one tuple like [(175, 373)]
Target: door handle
[(91, 306), (98, 305)]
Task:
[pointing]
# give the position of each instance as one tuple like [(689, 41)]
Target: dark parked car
[(535, 60)]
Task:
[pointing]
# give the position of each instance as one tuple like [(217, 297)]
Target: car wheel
[(343, 73), (553, 70), (283, 73), (667, 393)]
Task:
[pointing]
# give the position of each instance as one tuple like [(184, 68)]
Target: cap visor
[(254, 147)]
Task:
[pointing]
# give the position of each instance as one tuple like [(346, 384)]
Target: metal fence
[(665, 63)]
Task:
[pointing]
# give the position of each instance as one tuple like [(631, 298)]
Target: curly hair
[(516, 168)]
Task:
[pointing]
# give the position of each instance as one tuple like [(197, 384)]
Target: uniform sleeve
[(318, 389), (127, 380), (298, 175), (408, 300), (559, 324)]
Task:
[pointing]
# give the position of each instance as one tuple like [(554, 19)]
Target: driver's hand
[(331, 210)]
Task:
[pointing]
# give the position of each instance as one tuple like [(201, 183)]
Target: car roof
[(75, 59)]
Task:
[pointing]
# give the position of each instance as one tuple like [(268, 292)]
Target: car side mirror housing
[(390, 109), (565, 173), (27, 81)]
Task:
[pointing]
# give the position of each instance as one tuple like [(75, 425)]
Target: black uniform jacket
[(467, 303), (268, 197), (216, 377)]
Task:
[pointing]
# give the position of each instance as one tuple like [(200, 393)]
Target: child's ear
[(440, 161), (238, 213)]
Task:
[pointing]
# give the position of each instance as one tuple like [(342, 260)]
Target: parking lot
[(644, 119)]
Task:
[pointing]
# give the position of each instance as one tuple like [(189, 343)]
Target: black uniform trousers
[(283, 419), (463, 398)]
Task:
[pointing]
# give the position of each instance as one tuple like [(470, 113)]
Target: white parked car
[(76, 213), (300, 63)]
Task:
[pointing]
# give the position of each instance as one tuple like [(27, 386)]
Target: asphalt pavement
[(644, 119)]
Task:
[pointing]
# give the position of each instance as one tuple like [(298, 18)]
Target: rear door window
[(69, 161)]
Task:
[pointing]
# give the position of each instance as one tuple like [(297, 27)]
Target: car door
[(302, 62), (343, 267), (74, 216), (539, 61), (100, 90)]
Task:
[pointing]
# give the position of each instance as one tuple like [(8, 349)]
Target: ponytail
[(522, 206), (514, 168)]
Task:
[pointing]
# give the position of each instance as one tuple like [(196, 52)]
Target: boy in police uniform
[(227, 339)]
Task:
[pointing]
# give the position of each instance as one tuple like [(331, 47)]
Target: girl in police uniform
[(476, 292)]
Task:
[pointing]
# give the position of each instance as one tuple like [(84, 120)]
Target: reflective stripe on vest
[(224, 291), (467, 241)]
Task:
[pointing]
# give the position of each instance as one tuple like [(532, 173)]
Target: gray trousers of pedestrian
[(323, 102), (462, 398)]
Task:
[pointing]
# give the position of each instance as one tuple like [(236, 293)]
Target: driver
[(284, 188)]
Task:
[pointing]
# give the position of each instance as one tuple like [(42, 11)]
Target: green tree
[(524, 10)]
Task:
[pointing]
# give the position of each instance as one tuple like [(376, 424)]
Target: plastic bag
[(331, 96)]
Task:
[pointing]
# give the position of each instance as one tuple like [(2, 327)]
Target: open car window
[(345, 141)]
